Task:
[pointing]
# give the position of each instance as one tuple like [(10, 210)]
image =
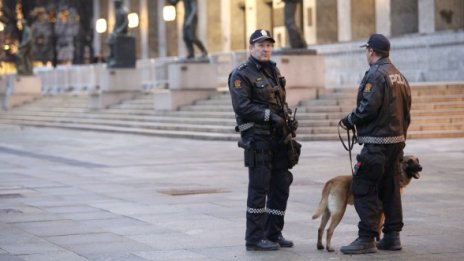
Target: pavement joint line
[(52, 158)]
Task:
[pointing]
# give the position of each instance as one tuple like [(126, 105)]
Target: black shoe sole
[(393, 248), (360, 252), (255, 248)]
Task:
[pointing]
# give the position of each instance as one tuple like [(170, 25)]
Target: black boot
[(284, 242), (262, 245), (390, 241), (362, 245)]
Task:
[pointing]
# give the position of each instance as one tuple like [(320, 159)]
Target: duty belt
[(244, 127)]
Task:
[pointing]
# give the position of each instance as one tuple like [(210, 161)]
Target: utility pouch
[(293, 152), (360, 187)]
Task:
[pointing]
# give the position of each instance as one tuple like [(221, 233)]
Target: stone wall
[(421, 58)]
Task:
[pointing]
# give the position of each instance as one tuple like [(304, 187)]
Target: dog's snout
[(419, 167)]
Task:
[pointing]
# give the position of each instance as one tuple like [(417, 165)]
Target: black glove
[(294, 125), (347, 123), (277, 121)]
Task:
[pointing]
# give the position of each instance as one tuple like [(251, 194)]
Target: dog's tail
[(323, 203)]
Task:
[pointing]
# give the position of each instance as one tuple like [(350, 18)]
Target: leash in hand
[(352, 139)]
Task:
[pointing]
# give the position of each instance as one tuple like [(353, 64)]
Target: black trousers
[(268, 191), (376, 186)]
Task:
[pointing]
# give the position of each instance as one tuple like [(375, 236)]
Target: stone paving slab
[(79, 195)]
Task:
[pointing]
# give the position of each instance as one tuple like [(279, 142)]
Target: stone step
[(128, 117), (301, 115), (438, 106), (126, 124), (436, 112), (141, 131)]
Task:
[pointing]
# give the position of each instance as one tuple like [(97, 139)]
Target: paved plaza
[(80, 195)]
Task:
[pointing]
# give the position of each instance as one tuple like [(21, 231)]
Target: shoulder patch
[(238, 84), (368, 87)]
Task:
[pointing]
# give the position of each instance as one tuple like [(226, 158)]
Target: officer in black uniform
[(262, 114), (382, 118)]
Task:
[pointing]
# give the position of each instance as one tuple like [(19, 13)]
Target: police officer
[(258, 98), (382, 118)]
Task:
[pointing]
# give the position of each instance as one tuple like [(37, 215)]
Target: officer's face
[(369, 55), (262, 51)]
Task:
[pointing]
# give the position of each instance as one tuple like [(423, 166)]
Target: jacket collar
[(253, 61), (381, 61)]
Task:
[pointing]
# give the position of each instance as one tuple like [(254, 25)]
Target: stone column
[(143, 24), (258, 15), (96, 36), (162, 47), (344, 20), (226, 24), (181, 49), (426, 16), (382, 17), (309, 18)]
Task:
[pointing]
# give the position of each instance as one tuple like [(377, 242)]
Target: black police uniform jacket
[(257, 92), (382, 114)]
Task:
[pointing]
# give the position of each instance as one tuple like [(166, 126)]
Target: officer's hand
[(277, 121), (347, 123), (294, 125)]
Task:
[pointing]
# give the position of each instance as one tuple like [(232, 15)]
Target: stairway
[(437, 111)]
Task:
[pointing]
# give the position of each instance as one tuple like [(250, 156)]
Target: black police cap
[(261, 35), (378, 42)]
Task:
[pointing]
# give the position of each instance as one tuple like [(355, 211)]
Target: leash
[(350, 143)]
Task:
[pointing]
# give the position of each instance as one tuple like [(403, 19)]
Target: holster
[(254, 156), (249, 152), (293, 152)]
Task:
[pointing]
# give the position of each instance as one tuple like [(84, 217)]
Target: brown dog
[(336, 195)]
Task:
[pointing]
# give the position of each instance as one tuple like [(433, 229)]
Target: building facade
[(224, 25)]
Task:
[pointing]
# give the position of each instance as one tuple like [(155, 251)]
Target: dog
[(336, 195)]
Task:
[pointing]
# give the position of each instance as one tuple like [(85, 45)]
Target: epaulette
[(242, 66)]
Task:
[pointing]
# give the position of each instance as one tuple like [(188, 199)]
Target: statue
[(189, 28), (24, 56), (120, 30), (294, 33)]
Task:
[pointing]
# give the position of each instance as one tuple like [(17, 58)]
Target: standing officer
[(382, 119), (258, 98)]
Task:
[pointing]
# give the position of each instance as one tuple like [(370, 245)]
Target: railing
[(152, 72)]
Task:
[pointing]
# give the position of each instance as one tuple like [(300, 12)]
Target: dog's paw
[(330, 249), (320, 246)]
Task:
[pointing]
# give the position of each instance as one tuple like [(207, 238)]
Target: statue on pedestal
[(189, 28), (122, 46), (24, 56), (294, 33)]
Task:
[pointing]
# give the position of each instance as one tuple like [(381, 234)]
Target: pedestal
[(304, 72), (192, 75), (188, 81), (16, 90), (123, 53), (115, 85)]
